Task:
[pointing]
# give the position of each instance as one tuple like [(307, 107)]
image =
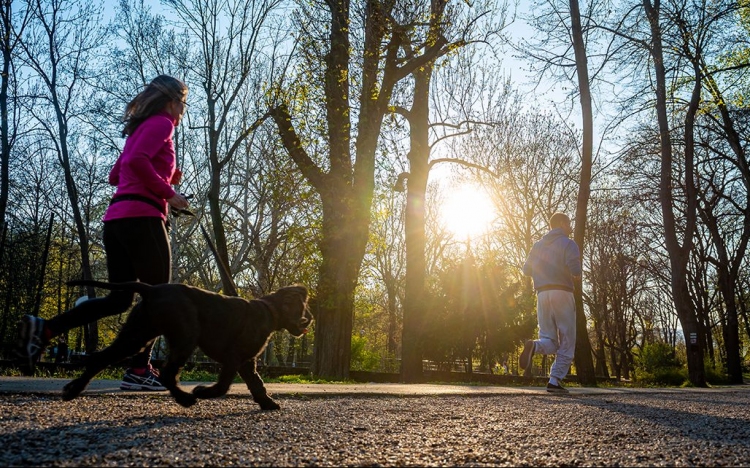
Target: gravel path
[(651, 429)]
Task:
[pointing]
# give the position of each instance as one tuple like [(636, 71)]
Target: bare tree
[(619, 286), (583, 358), (229, 37), (11, 28), (678, 250), (704, 31), (60, 42), (564, 50), (385, 261)]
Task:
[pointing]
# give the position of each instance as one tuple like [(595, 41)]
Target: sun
[(467, 211)]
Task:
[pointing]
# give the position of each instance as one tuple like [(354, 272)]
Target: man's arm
[(573, 260)]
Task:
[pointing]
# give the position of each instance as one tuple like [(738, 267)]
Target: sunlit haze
[(467, 211)]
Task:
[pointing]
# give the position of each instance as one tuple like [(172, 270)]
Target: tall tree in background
[(60, 44), (345, 180), (563, 28), (583, 357), (440, 21), (229, 36), (414, 224), (678, 250), (9, 37), (533, 155), (385, 262), (703, 30)]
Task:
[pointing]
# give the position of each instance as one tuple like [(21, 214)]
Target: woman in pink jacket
[(134, 235)]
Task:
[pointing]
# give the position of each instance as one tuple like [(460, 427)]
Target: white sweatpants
[(556, 312)]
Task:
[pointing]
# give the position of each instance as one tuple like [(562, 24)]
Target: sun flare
[(467, 211)]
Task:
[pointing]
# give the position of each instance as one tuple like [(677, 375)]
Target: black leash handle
[(176, 212)]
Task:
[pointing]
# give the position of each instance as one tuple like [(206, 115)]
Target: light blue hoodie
[(553, 262)]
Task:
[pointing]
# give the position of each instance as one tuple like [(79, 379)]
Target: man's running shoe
[(552, 388), (146, 379), (31, 342)]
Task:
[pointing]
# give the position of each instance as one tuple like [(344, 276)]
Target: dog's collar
[(271, 308)]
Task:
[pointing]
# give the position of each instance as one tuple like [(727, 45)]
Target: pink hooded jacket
[(145, 167)]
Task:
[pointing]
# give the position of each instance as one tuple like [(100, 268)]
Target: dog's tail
[(134, 286)]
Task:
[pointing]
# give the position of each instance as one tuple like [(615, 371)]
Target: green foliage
[(655, 356), (477, 308), (657, 364), (736, 54), (290, 379), (660, 364), (196, 375), (716, 373), (304, 379), (671, 377), (363, 358)]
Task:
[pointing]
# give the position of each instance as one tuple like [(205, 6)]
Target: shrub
[(362, 359), (668, 376), (657, 365), (655, 356), (715, 374)]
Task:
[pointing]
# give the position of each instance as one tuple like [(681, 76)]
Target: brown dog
[(230, 330)]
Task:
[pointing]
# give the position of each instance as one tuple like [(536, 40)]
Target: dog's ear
[(297, 290)]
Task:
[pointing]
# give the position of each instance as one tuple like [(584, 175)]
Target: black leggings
[(137, 249)]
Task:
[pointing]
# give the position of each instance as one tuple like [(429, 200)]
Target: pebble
[(495, 430)]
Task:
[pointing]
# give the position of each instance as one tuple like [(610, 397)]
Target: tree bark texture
[(678, 253), (414, 294), (583, 355)]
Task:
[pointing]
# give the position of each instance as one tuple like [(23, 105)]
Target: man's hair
[(558, 220), (151, 100)]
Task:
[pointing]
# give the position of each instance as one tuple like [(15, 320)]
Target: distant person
[(135, 231), (554, 263)]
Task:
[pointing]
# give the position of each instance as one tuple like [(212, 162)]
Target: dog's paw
[(267, 404), (186, 399), (203, 391), (72, 389)]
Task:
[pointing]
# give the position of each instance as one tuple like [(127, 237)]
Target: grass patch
[(305, 379), (110, 373), (674, 378), (187, 375)]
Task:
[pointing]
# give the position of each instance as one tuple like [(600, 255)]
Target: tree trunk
[(414, 294), (727, 285), (346, 189), (729, 268), (583, 355), (392, 340), (4, 127), (6, 10), (8, 278), (743, 301), (678, 254), (92, 329), (43, 267), (342, 247)]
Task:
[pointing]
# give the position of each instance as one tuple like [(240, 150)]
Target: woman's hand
[(178, 201), (176, 177)]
